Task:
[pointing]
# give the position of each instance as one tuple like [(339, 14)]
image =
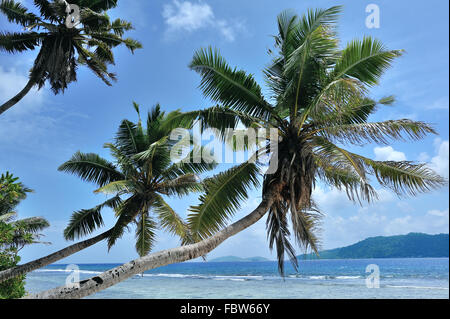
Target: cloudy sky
[(44, 130)]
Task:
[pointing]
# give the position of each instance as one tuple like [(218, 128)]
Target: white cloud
[(440, 213), (11, 83), (369, 222), (189, 16), (30, 124), (439, 163), (345, 223), (24, 122), (423, 157), (440, 104), (387, 153), (336, 200)]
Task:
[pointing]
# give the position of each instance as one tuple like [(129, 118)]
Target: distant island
[(412, 245), (238, 259)]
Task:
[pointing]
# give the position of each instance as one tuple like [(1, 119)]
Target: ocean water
[(318, 279)]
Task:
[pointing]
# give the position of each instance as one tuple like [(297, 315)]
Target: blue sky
[(44, 130)]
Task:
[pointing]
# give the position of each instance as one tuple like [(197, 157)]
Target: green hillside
[(413, 245)]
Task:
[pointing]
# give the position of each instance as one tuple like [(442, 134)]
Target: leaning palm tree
[(63, 47), (139, 179), (319, 104), (26, 230), (143, 174)]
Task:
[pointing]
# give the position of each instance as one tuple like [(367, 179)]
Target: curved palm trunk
[(47, 260), (158, 259), (6, 106)]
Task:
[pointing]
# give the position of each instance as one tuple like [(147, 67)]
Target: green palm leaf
[(377, 132), (17, 13), (19, 42), (169, 219), (181, 186), (193, 163), (230, 87), (85, 221), (126, 212), (32, 224), (365, 60), (224, 194), (145, 234), (92, 168), (117, 187)]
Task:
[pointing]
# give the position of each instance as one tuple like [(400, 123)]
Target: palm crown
[(62, 49), (26, 230), (319, 103), (140, 177)]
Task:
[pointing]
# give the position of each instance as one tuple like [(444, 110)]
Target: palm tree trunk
[(47, 260), (6, 106), (158, 259)]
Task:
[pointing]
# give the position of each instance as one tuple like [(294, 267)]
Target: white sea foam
[(69, 271), (418, 287), (317, 277), (348, 277), (234, 278)]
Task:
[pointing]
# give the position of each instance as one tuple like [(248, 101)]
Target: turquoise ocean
[(318, 279)]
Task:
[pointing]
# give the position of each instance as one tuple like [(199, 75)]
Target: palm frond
[(7, 217), (230, 87), (32, 224), (347, 179), (126, 212), (402, 177), (193, 163), (128, 139), (351, 109), (19, 42), (224, 194), (85, 221), (180, 186), (278, 234), (377, 132), (17, 13), (145, 234), (95, 64), (126, 164), (92, 168), (313, 45), (98, 5), (169, 219), (119, 27), (46, 10), (327, 155), (365, 60), (93, 21), (117, 187)]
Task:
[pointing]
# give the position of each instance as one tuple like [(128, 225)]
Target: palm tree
[(63, 48), (141, 176), (319, 103), (26, 230), (15, 233)]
